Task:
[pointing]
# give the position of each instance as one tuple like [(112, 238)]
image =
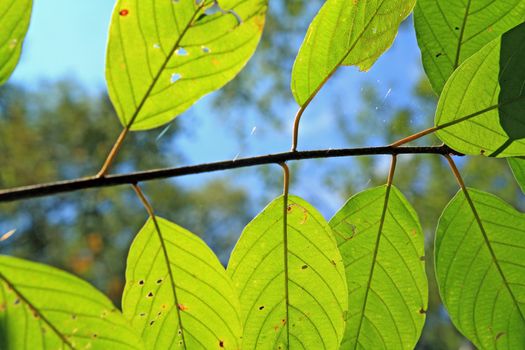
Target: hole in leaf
[(175, 77), (150, 294), (205, 49), (159, 281), (141, 282), (17, 301), (156, 46), (438, 54), (152, 322), (181, 51)]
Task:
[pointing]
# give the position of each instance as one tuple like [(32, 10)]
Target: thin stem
[(286, 186), (456, 173), (297, 121), (47, 189), (113, 153), (392, 171), (413, 137), (147, 205)]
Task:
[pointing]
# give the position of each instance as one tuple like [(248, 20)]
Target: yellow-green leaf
[(345, 32), (482, 107), (480, 270), (177, 293), (383, 250), (163, 56), (450, 31), (44, 308), (290, 279)]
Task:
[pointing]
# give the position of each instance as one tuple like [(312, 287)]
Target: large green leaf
[(345, 32), (480, 269), (518, 169), (450, 31), (290, 278), (177, 293), (164, 55), (482, 107), (44, 308), (14, 21), (383, 250)]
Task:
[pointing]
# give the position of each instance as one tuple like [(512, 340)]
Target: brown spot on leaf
[(221, 343), (422, 311), (261, 307), (182, 307), (150, 294), (304, 267), (499, 335)]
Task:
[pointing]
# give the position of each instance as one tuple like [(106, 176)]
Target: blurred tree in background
[(60, 131)]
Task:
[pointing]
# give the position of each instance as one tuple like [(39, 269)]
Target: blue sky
[(67, 39)]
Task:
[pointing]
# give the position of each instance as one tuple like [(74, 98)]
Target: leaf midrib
[(461, 34), (491, 251), (374, 259), (170, 274), (164, 64)]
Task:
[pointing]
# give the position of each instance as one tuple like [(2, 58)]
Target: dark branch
[(48, 189)]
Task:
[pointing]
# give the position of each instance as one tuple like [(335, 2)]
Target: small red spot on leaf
[(124, 12), (182, 307)]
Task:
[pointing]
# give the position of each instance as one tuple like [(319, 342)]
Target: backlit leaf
[(518, 169), (480, 269), (290, 279), (177, 294), (14, 21), (44, 308), (345, 32), (163, 56), (382, 244), (482, 107), (450, 31)]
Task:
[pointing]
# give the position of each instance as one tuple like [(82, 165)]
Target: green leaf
[(345, 32), (163, 56), (290, 278), (480, 271), (14, 21), (177, 293), (380, 238), (450, 31), (482, 107), (44, 308), (518, 169)]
